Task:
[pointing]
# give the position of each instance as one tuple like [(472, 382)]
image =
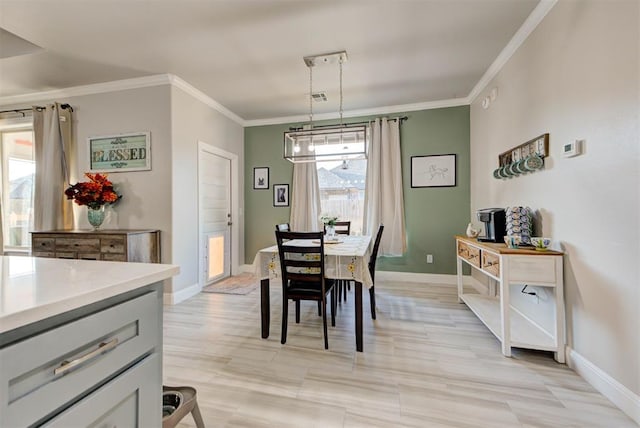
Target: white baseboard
[(620, 395), (402, 276), (433, 278), (181, 295), (245, 268)]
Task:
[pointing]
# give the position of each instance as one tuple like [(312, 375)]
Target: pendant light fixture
[(340, 142)]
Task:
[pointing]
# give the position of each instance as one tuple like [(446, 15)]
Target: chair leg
[(372, 299), (345, 289), (319, 308), (197, 417), (334, 305), (285, 310), (324, 322), (298, 311)]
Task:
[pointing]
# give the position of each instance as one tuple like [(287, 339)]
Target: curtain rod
[(39, 108), (400, 118)]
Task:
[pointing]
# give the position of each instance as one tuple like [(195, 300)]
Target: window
[(18, 173), (342, 187)]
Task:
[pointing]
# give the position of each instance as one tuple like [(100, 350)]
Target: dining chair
[(372, 271), (283, 227), (342, 228), (303, 277)]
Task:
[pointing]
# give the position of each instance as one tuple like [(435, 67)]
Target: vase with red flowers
[(95, 194)]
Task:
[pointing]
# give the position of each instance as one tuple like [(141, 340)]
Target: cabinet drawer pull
[(68, 365)]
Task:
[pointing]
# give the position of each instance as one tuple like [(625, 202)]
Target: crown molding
[(453, 102), (532, 21), (530, 24), (206, 99), (97, 88), (121, 85)]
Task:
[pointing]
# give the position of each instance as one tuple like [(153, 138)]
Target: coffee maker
[(494, 220)]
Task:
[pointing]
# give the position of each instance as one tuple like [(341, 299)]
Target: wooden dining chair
[(303, 277), (342, 228), (283, 227), (372, 271)]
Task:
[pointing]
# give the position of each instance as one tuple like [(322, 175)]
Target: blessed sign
[(127, 152)]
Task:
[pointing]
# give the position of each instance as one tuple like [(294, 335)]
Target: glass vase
[(331, 232), (95, 216)]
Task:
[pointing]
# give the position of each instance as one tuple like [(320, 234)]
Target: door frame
[(235, 209)]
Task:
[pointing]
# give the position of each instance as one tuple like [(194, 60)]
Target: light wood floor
[(427, 362)]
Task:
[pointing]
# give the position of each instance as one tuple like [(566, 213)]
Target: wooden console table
[(514, 267), (116, 245)]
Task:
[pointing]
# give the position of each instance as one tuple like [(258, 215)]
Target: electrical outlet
[(429, 258)]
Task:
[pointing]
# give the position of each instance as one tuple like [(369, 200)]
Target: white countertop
[(34, 288)]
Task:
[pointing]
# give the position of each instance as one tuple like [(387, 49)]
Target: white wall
[(194, 121), (577, 77)]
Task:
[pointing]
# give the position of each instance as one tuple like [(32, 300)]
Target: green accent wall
[(432, 215)]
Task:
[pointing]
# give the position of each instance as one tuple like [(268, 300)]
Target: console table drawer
[(43, 244), (491, 263), (112, 244), (78, 245), (469, 253)]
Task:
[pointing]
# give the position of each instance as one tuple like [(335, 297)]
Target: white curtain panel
[(305, 198), (51, 209), (384, 200), (1, 217)]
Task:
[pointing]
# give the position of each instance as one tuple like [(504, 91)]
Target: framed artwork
[(120, 153), (261, 178), (433, 171), (280, 195)]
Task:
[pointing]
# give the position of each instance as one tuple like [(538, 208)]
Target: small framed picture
[(280, 195), (433, 171), (261, 178)]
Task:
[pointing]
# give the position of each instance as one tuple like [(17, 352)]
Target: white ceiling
[(247, 55)]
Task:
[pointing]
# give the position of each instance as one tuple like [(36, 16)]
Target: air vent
[(319, 97)]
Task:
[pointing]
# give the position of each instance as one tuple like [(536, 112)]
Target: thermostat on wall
[(572, 149)]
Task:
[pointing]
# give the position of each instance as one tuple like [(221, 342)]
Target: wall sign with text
[(120, 153)]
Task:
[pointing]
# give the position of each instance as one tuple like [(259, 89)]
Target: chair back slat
[(341, 227), (301, 263)]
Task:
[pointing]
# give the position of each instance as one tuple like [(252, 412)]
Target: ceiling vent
[(319, 97)]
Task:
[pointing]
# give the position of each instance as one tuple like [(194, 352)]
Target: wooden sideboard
[(514, 267), (112, 245)]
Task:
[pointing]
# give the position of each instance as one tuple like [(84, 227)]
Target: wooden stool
[(188, 404)]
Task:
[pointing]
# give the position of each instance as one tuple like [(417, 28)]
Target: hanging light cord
[(311, 97), (340, 61)]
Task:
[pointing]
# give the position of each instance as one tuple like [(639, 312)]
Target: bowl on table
[(541, 244)]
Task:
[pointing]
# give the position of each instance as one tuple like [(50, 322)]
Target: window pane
[(342, 190), (18, 167)]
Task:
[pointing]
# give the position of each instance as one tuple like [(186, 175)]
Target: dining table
[(346, 258)]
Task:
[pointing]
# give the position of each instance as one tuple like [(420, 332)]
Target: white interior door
[(214, 192)]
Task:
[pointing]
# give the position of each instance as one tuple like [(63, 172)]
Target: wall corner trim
[(173, 298), (619, 394), (201, 96), (530, 24)]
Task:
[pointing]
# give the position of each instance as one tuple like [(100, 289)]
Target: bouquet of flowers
[(95, 193), (328, 220)]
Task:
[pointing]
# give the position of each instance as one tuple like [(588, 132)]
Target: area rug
[(244, 283)]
